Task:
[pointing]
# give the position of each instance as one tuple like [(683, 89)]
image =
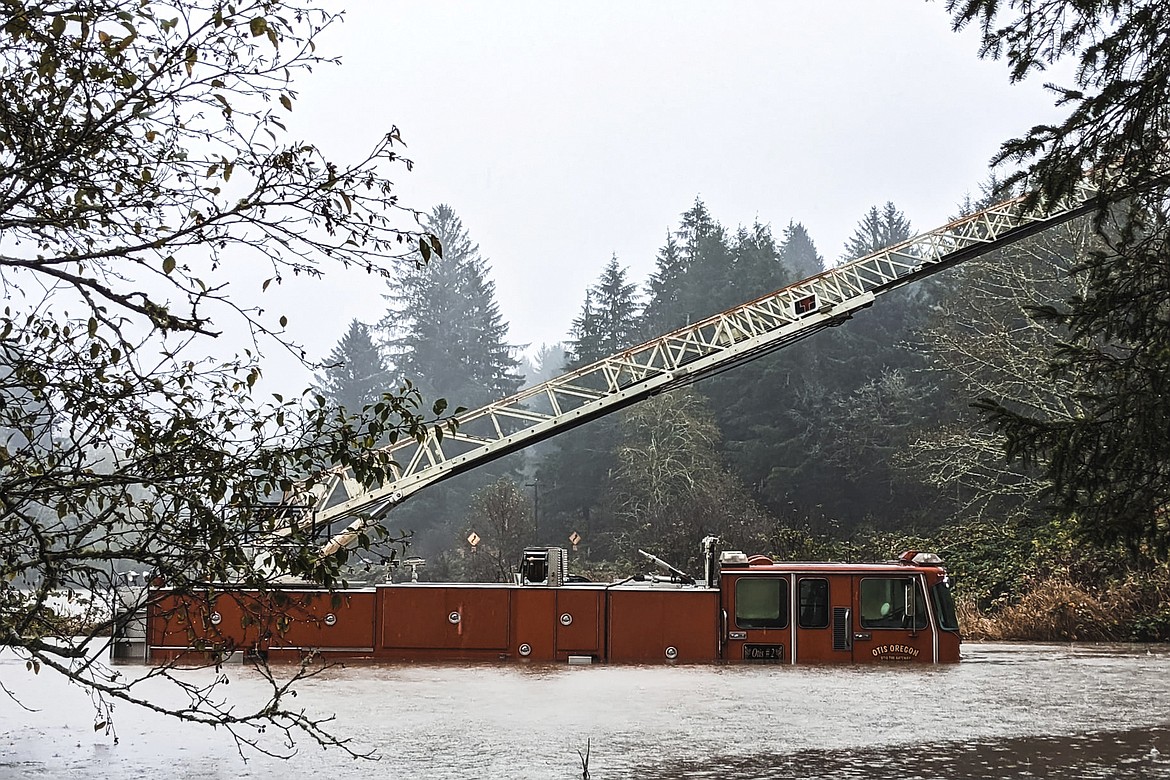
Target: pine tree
[(876, 394), (550, 360), (756, 267), (548, 363), (575, 474), (853, 356), (661, 314), (584, 343), (764, 440), (693, 274), (1108, 465), (739, 399), (877, 230), (798, 254), (608, 322), (355, 373), (444, 328), (701, 272), (617, 309), (798, 457), (444, 332)]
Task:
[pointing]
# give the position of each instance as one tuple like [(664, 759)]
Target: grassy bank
[(1058, 609)]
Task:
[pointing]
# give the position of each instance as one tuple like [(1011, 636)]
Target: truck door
[(822, 609), (890, 622), (756, 608)]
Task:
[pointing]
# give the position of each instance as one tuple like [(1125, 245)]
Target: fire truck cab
[(834, 612)]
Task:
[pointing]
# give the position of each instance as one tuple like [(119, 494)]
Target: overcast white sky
[(562, 133)]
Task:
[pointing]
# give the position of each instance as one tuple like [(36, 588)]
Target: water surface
[(1048, 711)]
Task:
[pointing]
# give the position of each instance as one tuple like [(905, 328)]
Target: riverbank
[(1136, 609)]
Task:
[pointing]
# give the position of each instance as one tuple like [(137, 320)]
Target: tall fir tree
[(792, 453), (584, 343), (693, 275), (445, 333), (744, 399), (877, 230), (548, 362), (574, 476), (755, 267), (702, 271), (444, 329), (798, 254), (617, 308), (869, 393), (765, 436), (608, 321), (663, 289), (355, 373), (855, 355)]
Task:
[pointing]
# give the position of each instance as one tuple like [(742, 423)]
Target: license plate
[(763, 652)]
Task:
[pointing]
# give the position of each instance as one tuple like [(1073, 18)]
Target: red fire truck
[(743, 609)]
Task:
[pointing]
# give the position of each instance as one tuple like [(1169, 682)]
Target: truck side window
[(761, 602), (814, 603), (892, 602)]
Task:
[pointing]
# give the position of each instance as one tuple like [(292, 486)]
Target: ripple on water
[(1137, 753)]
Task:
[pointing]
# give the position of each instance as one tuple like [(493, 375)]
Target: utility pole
[(535, 485)]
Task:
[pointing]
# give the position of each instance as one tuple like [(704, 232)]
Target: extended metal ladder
[(683, 356)]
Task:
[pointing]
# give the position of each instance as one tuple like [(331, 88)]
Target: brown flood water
[(1007, 711)]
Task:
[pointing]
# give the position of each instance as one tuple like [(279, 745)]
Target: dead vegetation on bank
[(1060, 610)]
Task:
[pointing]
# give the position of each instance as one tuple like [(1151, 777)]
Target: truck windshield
[(944, 607)]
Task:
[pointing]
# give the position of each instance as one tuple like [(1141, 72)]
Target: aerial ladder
[(681, 357)]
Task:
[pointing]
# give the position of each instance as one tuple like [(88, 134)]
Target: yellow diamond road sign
[(473, 538), (575, 538)]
